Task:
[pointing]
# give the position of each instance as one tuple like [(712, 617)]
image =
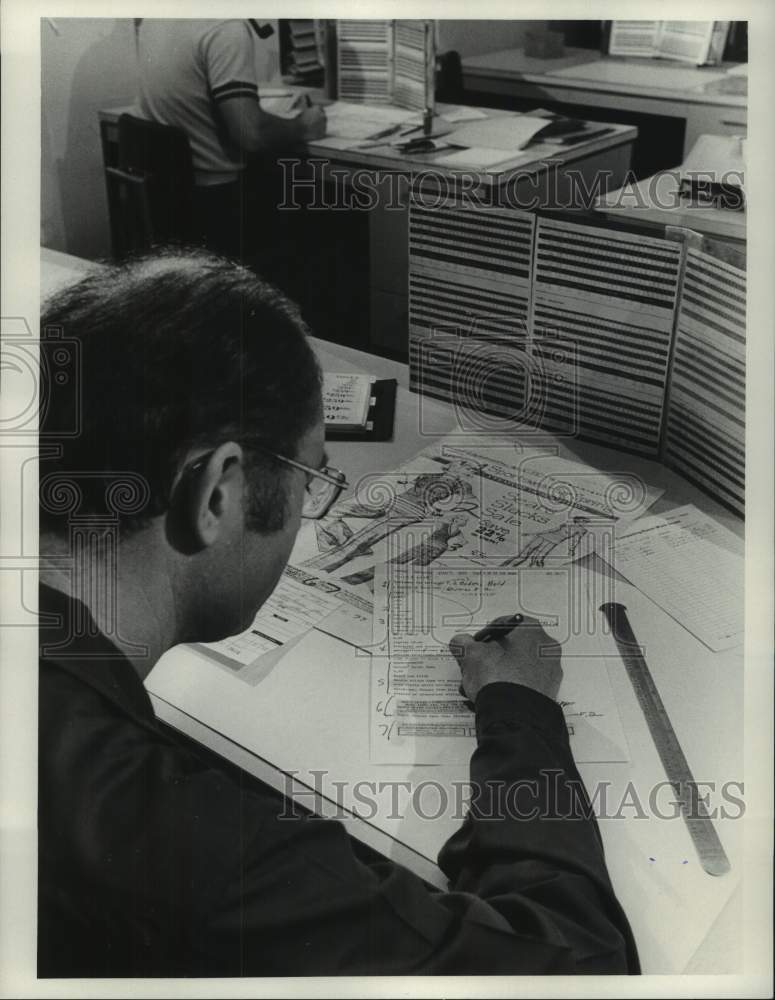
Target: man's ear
[(213, 496)]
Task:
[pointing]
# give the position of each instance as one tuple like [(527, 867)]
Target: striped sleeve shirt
[(187, 69)]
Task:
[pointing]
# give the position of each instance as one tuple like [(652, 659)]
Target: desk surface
[(655, 200), (658, 78), (538, 158), (702, 698)]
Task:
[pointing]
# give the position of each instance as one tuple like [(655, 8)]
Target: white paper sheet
[(418, 714), (361, 121), (509, 133), (463, 114), (351, 617), (688, 41), (293, 608), (692, 568)]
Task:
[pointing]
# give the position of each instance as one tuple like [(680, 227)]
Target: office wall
[(88, 64), (473, 38)]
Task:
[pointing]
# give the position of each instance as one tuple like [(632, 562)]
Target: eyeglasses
[(321, 490)]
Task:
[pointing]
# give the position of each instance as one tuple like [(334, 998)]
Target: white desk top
[(587, 69), (674, 910)]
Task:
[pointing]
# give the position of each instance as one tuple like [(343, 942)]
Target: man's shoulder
[(194, 31), (228, 31), (76, 658)]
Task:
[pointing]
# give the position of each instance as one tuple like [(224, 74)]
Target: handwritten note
[(417, 713), (692, 568)]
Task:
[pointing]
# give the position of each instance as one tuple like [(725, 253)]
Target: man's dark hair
[(175, 350)]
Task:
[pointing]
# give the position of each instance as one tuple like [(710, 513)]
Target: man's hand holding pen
[(311, 119), (514, 649)]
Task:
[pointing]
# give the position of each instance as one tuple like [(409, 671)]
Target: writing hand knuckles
[(503, 620)]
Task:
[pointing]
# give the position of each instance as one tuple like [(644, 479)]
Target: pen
[(498, 629), (302, 101), (385, 132)]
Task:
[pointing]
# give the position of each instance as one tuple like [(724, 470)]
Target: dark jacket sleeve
[(530, 844), (154, 863), (530, 891)]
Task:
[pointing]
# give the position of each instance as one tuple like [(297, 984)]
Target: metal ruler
[(700, 825)]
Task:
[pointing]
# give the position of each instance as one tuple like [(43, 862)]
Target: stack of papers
[(346, 400)]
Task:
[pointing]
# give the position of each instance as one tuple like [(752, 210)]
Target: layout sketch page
[(492, 501)]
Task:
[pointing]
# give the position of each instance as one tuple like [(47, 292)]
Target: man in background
[(200, 76)]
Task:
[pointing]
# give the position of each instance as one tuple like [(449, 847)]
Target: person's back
[(187, 67), (201, 76)]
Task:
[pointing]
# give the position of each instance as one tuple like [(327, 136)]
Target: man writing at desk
[(201, 425), (200, 76)]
